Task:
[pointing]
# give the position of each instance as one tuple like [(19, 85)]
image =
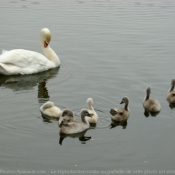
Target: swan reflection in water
[(148, 113), (28, 82), (81, 136), (118, 123)]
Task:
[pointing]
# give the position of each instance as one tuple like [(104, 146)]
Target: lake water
[(108, 49)]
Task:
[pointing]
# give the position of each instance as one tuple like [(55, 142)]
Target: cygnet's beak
[(89, 115), (121, 102)]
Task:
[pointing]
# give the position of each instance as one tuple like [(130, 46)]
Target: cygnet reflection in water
[(118, 123), (172, 105), (81, 136), (148, 113)]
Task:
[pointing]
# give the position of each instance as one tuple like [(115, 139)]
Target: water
[(108, 49)]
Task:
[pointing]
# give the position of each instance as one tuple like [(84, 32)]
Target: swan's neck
[(172, 88), (50, 54)]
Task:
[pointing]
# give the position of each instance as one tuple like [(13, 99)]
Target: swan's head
[(89, 101), (148, 90), (125, 100), (45, 37), (173, 82)]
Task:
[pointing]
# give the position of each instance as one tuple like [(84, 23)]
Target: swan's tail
[(3, 69), (46, 105), (9, 69), (4, 51)]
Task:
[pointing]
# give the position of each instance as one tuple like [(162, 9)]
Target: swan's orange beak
[(45, 44)]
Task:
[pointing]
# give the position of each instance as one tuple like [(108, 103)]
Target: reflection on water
[(49, 119), (109, 49), (92, 125), (148, 113), (43, 94), (81, 136), (172, 105), (118, 123), (27, 82)]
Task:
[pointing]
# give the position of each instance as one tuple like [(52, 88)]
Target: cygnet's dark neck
[(83, 119), (172, 87), (126, 106), (147, 96)]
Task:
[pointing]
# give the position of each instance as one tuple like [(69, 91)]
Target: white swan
[(150, 104), (171, 92), (50, 110), (76, 126), (22, 62), (91, 111), (66, 117), (121, 114)]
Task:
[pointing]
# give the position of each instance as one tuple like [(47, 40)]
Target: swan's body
[(91, 111), (22, 62), (66, 117), (76, 126), (50, 110), (171, 92), (150, 104), (120, 114)]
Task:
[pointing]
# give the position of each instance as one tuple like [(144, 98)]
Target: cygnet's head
[(67, 113), (90, 101), (45, 37), (66, 117), (125, 100)]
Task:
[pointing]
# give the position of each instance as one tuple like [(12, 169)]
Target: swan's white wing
[(21, 61), (23, 58)]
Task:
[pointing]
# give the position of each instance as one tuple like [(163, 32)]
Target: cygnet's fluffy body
[(120, 114), (150, 104), (76, 126), (50, 110), (91, 111), (171, 92)]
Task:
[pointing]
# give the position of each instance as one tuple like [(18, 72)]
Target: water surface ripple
[(108, 49)]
